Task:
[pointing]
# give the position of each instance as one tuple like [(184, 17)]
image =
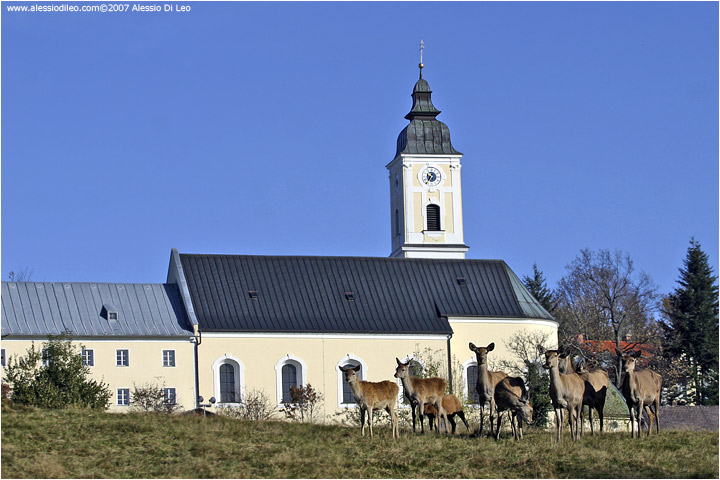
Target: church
[(225, 325)]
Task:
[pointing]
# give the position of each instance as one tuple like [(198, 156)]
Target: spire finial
[(422, 46)]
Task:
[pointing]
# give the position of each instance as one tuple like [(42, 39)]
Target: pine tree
[(539, 289), (692, 311)]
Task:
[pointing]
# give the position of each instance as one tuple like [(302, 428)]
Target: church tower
[(425, 195)]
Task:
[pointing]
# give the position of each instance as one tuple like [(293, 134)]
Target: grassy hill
[(77, 444)]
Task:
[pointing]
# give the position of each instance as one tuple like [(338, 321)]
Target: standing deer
[(422, 390), (486, 381), (370, 395), (511, 394), (566, 392), (641, 389), (596, 386), (453, 407)]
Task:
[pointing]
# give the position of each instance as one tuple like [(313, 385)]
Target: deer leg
[(461, 414), (482, 418), (497, 432), (492, 413), (632, 421), (396, 423), (590, 416), (657, 415), (558, 422), (451, 419), (362, 420), (412, 410), (370, 420)]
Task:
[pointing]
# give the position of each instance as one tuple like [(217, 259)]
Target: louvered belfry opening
[(433, 218)]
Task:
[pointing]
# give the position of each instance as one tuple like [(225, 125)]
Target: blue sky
[(265, 128)]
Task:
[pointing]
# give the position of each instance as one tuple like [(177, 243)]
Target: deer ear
[(356, 368), (491, 347), (473, 347), (398, 361)]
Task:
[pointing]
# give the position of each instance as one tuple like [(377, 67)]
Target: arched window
[(347, 395), (472, 375), (290, 372), (433, 217), (228, 373)]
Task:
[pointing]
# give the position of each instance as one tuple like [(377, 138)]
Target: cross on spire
[(422, 46)]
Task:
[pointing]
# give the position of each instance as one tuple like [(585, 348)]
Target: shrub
[(257, 407), (63, 381), (149, 397), (304, 403)]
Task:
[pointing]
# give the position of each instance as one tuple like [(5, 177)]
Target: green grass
[(82, 444)]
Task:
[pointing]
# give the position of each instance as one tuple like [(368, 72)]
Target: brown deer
[(641, 389), (422, 390), (596, 386), (371, 395), (511, 394), (486, 381), (453, 407), (566, 392)]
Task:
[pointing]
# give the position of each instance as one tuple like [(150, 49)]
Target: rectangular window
[(123, 396), (122, 358), (88, 357), (168, 358), (2, 357), (170, 396), (112, 316)]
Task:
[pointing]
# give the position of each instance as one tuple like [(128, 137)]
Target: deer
[(566, 392), (422, 390), (371, 395), (511, 394), (596, 386), (486, 381), (453, 407), (641, 389)]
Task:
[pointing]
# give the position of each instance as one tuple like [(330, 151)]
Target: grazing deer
[(641, 389), (596, 386), (511, 394), (486, 382), (422, 390), (453, 407), (370, 395), (566, 392)]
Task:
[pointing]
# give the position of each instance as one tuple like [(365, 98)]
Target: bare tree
[(602, 297), (23, 274)]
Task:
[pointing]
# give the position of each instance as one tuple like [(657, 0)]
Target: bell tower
[(425, 194)]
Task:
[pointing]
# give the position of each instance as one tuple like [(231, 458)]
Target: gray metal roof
[(311, 294), (424, 134), (42, 308)]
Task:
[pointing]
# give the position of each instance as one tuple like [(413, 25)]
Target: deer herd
[(571, 388)]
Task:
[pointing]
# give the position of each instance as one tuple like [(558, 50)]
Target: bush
[(257, 407), (304, 403), (149, 397), (62, 382)]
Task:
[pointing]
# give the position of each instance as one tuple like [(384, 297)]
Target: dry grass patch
[(83, 444)]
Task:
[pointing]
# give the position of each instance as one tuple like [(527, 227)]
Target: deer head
[(481, 352), (629, 360), (351, 373), (525, 411), (552, 359), (403, 369)]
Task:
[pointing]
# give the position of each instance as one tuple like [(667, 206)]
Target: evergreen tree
[(692, 311), (55, 377), (539, 289)]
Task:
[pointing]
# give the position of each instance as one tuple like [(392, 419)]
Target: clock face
[(431, 176)]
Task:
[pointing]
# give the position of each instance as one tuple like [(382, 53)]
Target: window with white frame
[(88, 357), (290, 372), (122, 358), (168, 358), (170, 395), (228, 374), (123, 397)]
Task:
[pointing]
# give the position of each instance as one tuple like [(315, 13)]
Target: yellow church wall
[(448, 222), (261, 358), (145, 365), (418, 219)]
